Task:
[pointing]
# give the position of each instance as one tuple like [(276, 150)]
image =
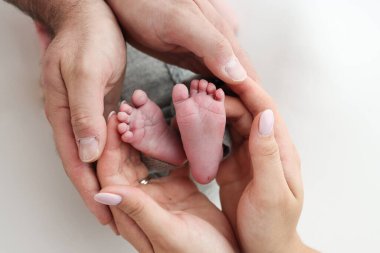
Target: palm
[(193, 213)]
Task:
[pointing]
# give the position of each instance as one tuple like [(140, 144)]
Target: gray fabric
[(157, 79)]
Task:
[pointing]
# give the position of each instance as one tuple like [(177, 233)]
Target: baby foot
[(144, 127), (201, 119)]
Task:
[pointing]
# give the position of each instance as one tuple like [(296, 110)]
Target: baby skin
[(200, 117)]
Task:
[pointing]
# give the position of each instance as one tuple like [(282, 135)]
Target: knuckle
[(169, 30), (221, 48), (48, 67), (82, 122), (221, 44), (267, 149), (48, 114), (52, 112), (174, 22), (84, 69), (136, 210), (222, 26)]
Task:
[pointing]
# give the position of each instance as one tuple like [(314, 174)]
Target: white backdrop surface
[(319, 59)]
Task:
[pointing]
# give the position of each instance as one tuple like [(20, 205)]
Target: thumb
[(265, 156), (86, 100), (209, 44), (140, 207)]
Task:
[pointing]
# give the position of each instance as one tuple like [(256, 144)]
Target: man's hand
[(83, 63), (83, 67), (191, 34)]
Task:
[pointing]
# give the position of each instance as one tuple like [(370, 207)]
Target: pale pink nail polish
[(109, 199), (266, 123)]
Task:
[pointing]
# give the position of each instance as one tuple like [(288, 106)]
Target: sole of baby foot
[(201, 119)]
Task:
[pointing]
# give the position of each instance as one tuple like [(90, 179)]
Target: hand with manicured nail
[(168, 214), (190, 34), (260, 182)]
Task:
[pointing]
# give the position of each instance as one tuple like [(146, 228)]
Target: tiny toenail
[(121, 115), (111, 113)]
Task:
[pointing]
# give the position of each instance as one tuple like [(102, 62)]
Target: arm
[(50, 13)]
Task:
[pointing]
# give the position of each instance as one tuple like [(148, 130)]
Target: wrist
[(73, 13), (53, 13)]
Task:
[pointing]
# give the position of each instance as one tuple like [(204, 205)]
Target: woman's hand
[(167, 214), (261, 188)]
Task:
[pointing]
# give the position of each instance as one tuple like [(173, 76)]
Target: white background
[(319, 59)]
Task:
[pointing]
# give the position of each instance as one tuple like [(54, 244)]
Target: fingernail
[(266, 123), (235, 70), (88, 149), (109, 199), (111, 113)]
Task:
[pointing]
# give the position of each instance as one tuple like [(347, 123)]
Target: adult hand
[(83, 63), (261, 192), (191, 34), (255, 100), (166, 215)]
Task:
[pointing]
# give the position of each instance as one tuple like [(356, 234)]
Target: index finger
[(256, 100), (238, 116)]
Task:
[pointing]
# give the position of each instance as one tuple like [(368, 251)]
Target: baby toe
[(122, 128), (122, 117), (124, 107), (139, 98), (194, 85), (219, 95), (127, 136), (180, 93), (202, 85), (211, 88)]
